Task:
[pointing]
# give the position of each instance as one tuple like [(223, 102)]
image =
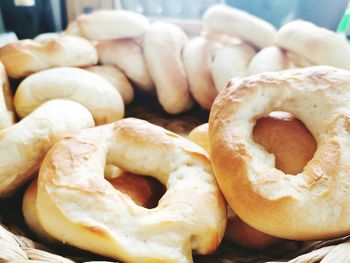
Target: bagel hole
[(145, 191), (285, 136)]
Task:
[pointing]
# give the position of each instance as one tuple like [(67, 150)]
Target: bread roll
[(318, 45), (94, 92), (128, 56), (197, 56), (225, 20), (270, 58), (24, 57), (118, 80), (163, 46), (112, 24), (229, 62)]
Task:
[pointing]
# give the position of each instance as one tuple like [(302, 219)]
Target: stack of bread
[(273, 155)]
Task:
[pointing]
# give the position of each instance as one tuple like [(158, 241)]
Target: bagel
[(7, 114), (263, 196), (75, 206), (24, 57), (225, 20), (293, 146), (318, 45), (163, 46), (127, 55), (117, 78), (112, 24), (229, 62), (23, 145), (89, 89), (144, 191), (197, 57)]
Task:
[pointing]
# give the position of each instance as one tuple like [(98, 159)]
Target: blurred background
[(28, 18)]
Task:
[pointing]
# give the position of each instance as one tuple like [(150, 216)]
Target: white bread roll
[(318, 45), (112, 24), (82, 86), (163, 46), (197, 56), (225, 20), (127, 55), (231, 61), (24, 57), (118, 80)]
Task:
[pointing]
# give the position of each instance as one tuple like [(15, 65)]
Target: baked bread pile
[(275, 147), (129, 47)]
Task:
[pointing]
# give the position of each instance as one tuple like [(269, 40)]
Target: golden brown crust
[(287, 138), (245, 172), (24, 57), (190, 216), (144, 191), (24, 145)]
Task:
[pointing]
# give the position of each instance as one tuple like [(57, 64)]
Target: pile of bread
[(93, 189)]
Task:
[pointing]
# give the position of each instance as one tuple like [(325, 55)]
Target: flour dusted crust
[(74, 206), (24, 57), (312, 204)]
